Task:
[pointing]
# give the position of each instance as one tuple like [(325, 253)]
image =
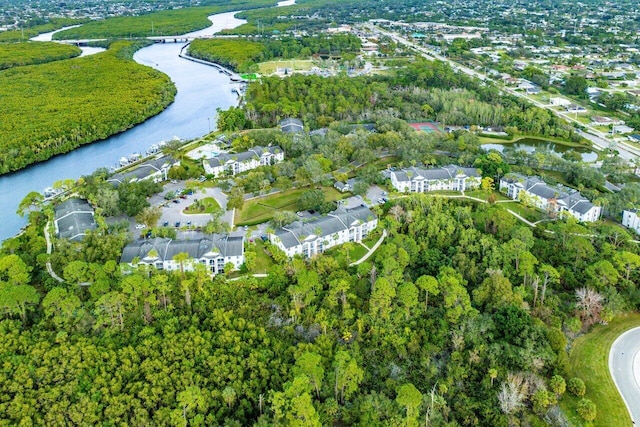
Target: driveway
[(624, 365)]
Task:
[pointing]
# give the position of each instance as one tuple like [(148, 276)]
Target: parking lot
[(173, 210)]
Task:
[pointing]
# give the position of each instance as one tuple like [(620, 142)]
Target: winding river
[(201, 90)]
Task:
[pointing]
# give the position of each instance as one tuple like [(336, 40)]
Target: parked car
[(165, 224), (176, 201), (177, 224), (140, 226)]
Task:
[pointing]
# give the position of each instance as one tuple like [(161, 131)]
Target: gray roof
[(253, 153), (577, 202), (143, 170), (568, 198), (225, 245), (73, 218), (338, 220), (291, 125), (446, 172)]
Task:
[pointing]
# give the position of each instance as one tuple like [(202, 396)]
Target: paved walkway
[(372, 250), (49, 250), (529, 223)]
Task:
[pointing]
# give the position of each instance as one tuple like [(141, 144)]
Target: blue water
[(201, 90)]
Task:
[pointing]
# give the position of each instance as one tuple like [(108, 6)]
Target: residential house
[(557, 101), (605, 121), (324, 232), (630, 219), (422, 180), (344, 187), (155, 169), (577, 109), (291, 125), (621, 129), (237, 163), (555, 200), (73, 218), (213, 251)]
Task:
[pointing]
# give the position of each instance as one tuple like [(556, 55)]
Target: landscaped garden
[(208, 205)]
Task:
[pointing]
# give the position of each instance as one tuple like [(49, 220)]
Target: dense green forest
[(242, 55), (53, 108), (28, 53), (32, 31), (421, 90), (166, 22), (462, 317)]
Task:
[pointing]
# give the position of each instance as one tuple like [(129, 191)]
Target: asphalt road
[(624, 365)]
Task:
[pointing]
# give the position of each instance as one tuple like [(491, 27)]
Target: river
[(201, 90)]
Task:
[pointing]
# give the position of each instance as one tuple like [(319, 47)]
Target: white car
[(140, 226)]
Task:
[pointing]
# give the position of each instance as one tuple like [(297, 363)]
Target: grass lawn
[(355, 254), (530, 214), (263, 261), (589, 361), (206, 205), (484, 195), (295, 64), (261, 209)]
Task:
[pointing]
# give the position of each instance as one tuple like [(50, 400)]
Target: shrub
[(587, 410), (576, 386)]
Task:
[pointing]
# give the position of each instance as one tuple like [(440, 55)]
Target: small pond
[(530, 145)]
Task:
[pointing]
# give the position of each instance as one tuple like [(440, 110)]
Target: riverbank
[(80, 101), (201, 91)]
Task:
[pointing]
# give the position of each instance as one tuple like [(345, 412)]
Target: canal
[(201, 90)]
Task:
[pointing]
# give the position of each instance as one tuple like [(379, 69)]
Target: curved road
[(624, 365)]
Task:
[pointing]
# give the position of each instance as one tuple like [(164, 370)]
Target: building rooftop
[(210, 246)]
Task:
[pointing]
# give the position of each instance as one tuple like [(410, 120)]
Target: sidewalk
[(372, 250)]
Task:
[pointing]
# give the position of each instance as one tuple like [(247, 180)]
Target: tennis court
[(426, 127)]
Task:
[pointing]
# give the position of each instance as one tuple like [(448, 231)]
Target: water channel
[(201, 90)]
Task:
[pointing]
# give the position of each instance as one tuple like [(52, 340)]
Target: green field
[(207, 205), (53, 108), (270, 67), (259, 210), (28, 53), (589, 361)]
